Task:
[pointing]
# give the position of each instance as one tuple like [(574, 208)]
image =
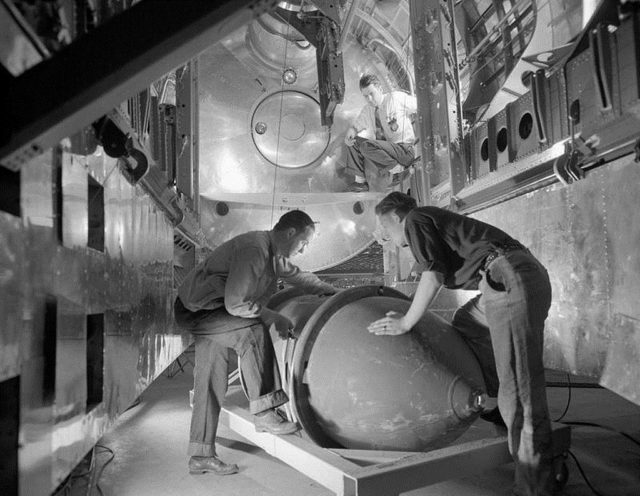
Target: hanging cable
[(275, 174), (584, 475)]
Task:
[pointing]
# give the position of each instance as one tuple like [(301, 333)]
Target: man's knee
[(368, 146), (251, 337)]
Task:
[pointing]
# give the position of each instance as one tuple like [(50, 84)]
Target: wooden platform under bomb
[(348, 472)]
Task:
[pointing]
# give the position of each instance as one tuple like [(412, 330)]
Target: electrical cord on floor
[(584, 475), (587, 424), (66, 487), (95, 479), (575, 459)]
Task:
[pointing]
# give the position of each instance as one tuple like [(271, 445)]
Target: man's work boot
[(270, 421), (202, 464)]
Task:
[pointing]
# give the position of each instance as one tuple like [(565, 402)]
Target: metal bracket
[(322, 29), (568, 167), (119, 140)]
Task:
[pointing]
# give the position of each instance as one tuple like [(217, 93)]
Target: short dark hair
[(368, 80), (396, 202), (296, 219)]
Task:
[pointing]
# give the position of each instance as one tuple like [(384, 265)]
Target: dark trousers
[(504, 326), (215, 333), (375, 155)]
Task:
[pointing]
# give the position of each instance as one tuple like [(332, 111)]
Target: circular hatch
[(286, 129)]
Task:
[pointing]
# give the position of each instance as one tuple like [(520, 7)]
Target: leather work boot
[(270, 421), (202, 464)]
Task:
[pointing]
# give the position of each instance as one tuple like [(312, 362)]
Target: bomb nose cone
[(350, 388)]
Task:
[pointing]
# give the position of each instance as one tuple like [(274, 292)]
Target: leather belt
[(499, 251)]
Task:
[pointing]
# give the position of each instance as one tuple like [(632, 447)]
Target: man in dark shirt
[(503, 325), (223, 303)]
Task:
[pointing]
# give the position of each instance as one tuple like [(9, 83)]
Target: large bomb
[(349, 388)]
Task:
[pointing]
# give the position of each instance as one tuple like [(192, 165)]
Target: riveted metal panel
[(590, 83), (587, 236)]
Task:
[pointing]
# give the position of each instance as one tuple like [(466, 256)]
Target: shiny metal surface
[(286, 130), (412, 392), (587, 236), (76, 94), (12, 275), (130, 283), (252, 119), (340, 233)]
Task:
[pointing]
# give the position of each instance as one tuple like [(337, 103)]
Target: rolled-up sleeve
[(245, 270), (307, 281)]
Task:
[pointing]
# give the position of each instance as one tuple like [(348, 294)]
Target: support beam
[(97, 72), (431, 93)]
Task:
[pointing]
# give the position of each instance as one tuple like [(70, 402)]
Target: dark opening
[(57, 201), (49, 344), (574, 111), (10, 192), (526, 126), (96, 215), (222, 209), (358, 208), (484, 150), (502, 140), (95, 359), (9, 427)]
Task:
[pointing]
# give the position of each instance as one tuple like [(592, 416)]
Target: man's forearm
[(428, 287), (311, 283)]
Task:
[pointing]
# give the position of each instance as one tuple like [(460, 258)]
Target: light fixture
[(289, 75)]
